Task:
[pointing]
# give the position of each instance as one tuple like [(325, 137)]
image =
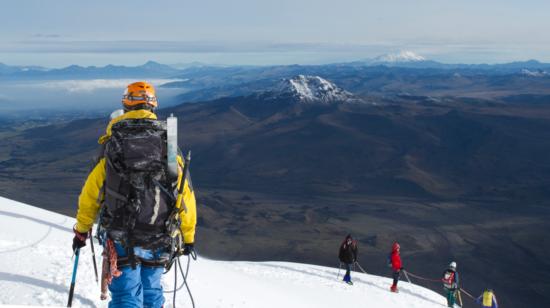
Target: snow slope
[(36, 266)]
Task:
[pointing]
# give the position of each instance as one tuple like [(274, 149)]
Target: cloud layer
[(82, 86)]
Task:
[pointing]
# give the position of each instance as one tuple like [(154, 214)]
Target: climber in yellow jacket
[(137, 199), (91, 195)]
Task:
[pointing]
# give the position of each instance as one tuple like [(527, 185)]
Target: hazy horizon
[(250, 32), (59, 60)]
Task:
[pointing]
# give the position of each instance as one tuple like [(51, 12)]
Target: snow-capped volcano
[(402, 56), (312, 89)]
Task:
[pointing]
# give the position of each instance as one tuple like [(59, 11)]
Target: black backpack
[(139, 195)]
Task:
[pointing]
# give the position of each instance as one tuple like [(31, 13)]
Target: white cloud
[(79, 86)]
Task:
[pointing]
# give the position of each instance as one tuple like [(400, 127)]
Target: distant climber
[(348, 256), (451, 284), (396, 266), (487, 299)]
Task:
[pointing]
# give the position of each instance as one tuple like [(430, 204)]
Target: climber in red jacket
[(396, 266)]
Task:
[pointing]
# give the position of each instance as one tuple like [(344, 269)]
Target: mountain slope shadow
[(42, 284)]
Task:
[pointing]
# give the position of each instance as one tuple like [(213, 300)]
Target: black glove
[(188, 249), (79, 239)]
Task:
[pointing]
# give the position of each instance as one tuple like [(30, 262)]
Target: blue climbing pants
[(139, 287)]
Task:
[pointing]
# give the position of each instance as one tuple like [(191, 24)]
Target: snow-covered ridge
[(402, 56), (536, 73), (312, 89), (36, 268)]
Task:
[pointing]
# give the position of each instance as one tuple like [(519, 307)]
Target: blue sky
[(63, 32)]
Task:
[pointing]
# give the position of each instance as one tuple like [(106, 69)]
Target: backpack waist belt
[(125, 261)]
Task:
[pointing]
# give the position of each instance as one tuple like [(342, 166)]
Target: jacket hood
[(395, 247)]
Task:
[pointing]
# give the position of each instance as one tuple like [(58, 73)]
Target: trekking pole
[(459, 297), (339, 269), (73, 279), (360, 267), (407, 276), (93, 255)]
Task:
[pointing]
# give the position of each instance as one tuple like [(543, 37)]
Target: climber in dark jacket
[(348, 256)]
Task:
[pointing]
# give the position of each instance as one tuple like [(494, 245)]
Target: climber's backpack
[(448, 279), (139, 196)]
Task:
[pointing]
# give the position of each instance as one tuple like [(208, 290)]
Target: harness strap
[(115, 262), (131, 256), (125, 261), (165, 191)]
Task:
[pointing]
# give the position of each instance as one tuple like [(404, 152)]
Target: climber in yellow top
[(139, 203)]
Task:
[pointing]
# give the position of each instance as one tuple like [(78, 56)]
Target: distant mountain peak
[(402, 56), (153, 65), (312, 89)]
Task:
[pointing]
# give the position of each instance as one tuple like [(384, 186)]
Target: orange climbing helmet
[(138, 93)]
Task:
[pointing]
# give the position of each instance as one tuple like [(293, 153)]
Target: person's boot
[(453, 301), (394, 288), (347, 279)]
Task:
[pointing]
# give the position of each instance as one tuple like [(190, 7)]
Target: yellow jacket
[(91, 197)]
